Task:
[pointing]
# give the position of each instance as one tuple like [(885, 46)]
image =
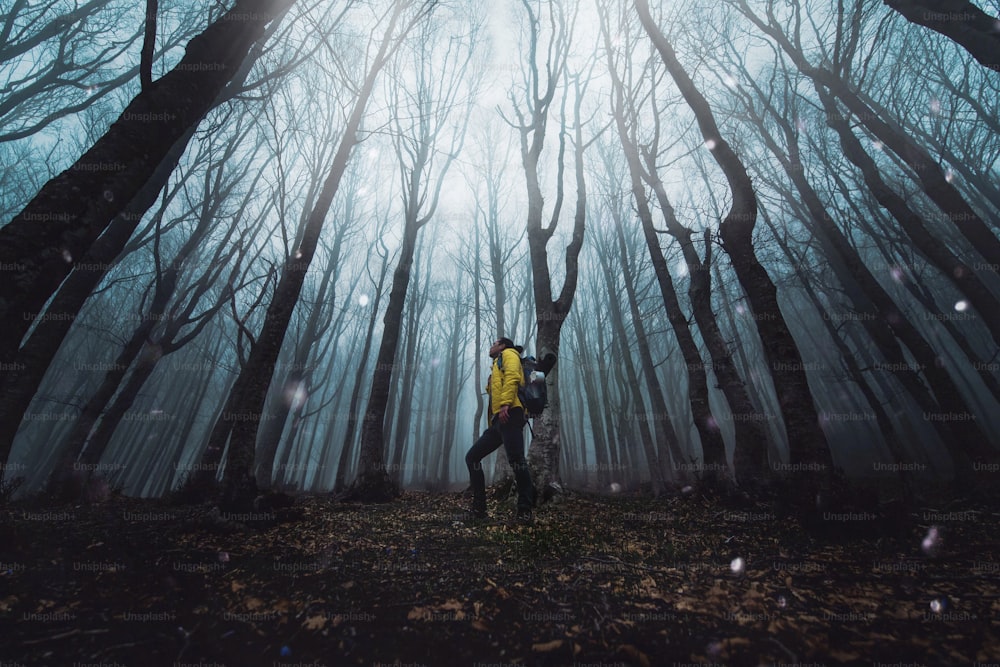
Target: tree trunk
[(959, 20), (660, 445), (477, 314), (807, 442), (875, 308), (83, 426), (594, 402), (204, 383), (971, 439), (59, 225), (850, 362), (543, 454), (750, 451), (346, 450), (163, 287), (152, 352), (424, 116), (240, 484), (761, 398), (455, 382), (373, 483), (297, 382), (305, 476), (712, 445), (101, 437), (611, 422), (931, 177), (714, 466), (407, 381), (928, 173), (291, 387), (35, 356)]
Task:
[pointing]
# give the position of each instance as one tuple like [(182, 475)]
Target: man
[(507, 420)]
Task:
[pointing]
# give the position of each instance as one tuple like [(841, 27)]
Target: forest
[(253, 254)]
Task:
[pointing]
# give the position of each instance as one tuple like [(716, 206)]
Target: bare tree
[(163, 328), (40, 347), (877, 312), (807, 442), (291, 390), (56, 63), (453, 330), (37, 352), (255, 378), (662, 446), (171, 329), (833, 87), (960, 21), (378, 290), (291, 384), (420, 121), (411, 356), (58, 226), (750, 448), (545, 70)]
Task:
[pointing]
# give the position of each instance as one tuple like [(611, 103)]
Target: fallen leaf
[(547, 646), (314, 622), (419, 614), (636, 655), (844, 656)]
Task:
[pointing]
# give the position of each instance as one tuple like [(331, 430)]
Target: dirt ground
[(596, 580)]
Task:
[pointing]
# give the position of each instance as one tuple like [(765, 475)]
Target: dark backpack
[(534, 393)]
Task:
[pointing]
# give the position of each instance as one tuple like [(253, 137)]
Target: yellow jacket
[(502, 385)]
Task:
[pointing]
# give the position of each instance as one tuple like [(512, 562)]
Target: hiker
[(507, 420)]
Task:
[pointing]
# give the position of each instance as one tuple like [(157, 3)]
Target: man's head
[(499, 345)]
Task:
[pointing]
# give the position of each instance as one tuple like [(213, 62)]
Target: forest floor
[(596, 580)]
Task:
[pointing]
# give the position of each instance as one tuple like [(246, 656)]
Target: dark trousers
[(511, 436)]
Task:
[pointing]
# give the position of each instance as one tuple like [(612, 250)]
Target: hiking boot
[(524, 518)]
